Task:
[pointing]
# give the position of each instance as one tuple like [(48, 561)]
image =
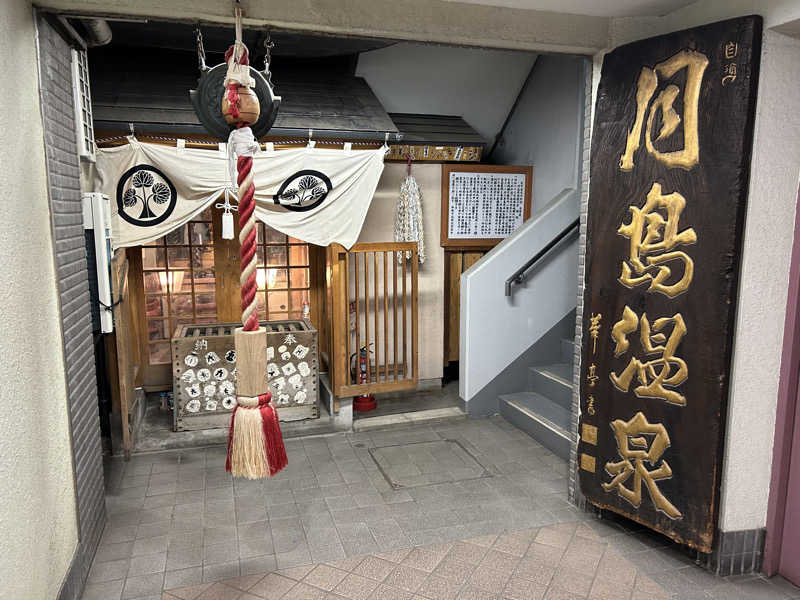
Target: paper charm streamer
[(408, 226)]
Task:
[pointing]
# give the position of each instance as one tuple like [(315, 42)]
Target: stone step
[(552, 381), (541, 418), (434, 416)]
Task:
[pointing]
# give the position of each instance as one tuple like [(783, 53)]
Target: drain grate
[(425, 463)]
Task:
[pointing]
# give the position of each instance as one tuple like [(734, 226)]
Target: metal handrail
[(519, 274)]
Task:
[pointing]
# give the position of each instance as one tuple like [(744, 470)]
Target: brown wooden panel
[(317, 295), (455, 266), (140, 354), (123, 329), (394, 258), (470, 258), (669, 177), (227, 270), (386, 315), (377, 337)]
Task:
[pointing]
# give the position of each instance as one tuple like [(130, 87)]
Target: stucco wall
[(379, 227), (547, 127), (763, 289), (768, 237), (476, 84), (37, 497)]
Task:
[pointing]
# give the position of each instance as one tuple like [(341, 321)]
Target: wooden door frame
[(338, 299), (788, 389), (462, 259)]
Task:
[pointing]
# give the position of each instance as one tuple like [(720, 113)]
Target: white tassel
[(227, 225)]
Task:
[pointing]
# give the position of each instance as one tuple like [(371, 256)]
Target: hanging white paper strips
[(408, 217), (317, 195)]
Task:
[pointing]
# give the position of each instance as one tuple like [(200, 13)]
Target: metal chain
[(268, 46), (201, 51)]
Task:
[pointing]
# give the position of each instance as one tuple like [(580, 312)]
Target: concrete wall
[(415, 20), (767, 247), (546, 127), (478, 85), (495, 329), (379, 227), (37, 497)]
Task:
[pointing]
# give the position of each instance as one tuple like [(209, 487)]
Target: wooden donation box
[(204, 372), (670, 166)]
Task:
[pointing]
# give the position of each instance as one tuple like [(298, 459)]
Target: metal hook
[(130, 127)]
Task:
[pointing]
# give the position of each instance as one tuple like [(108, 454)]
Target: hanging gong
[(207, 99)]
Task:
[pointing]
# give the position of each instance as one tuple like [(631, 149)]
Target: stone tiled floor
[(332, 526)]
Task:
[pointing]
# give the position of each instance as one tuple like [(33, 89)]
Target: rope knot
[(259, 401)]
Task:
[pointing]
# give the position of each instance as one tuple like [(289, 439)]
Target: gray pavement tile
[(220, 571), (184, 558), (142, 585), (112, 570), (183, 577), (114, 551), (257, 564), (147, 564), (110, 590), (221, 553), (255, 547), (299, 556), (327, 553), (150, 545)]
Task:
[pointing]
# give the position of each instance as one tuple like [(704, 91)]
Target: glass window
[(180, 284), (283, 276), (178, 272)]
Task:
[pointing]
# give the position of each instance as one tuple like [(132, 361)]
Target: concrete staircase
[(544, 410)]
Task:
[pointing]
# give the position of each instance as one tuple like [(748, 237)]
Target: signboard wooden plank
[(669, 176)]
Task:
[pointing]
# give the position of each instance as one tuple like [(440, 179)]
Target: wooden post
[(251, 362)]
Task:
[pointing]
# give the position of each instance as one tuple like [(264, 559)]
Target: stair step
[(552, 381), (539, 417), (568, 351)]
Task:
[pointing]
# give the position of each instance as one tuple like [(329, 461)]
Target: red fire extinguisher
[(363, 402)]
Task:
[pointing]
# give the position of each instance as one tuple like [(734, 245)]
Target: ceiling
[(602, 8)]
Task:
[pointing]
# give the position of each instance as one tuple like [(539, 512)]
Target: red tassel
[(275, 449), (230, 440)]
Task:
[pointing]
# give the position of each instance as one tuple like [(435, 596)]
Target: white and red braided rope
[(247, 239)]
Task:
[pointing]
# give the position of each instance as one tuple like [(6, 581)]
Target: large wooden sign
[(669, 176)]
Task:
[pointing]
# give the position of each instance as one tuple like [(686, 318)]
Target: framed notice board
[(483, 204)]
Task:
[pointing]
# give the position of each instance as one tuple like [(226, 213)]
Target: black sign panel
[(669, 175)]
